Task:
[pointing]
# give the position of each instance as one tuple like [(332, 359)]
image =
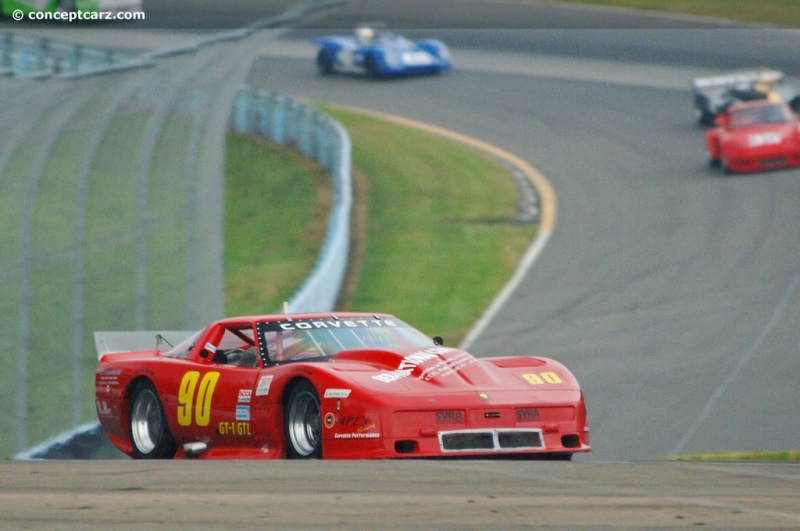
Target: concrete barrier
[(287, 122)]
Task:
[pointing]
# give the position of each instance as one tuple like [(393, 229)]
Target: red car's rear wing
[(111, 342)]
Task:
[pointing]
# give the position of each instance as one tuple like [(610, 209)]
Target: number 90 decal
[(186, 398), (542, 378)]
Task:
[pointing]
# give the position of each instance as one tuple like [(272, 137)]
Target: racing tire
[(324, 63), (794, 104), (303, 423), (371, 66), (706, 119), (150, 435)]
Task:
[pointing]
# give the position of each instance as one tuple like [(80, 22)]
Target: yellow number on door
[(186, 396)]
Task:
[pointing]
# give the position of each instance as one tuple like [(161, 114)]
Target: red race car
[(333, 386), (753, 136)]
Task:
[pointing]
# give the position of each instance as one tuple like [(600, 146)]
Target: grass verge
[(781, 456), (785, 13), (276, 212), (436, 236)]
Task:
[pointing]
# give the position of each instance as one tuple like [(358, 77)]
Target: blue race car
[(380, 54)]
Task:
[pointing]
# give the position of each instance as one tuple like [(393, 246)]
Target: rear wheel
[(303, 423), (324, 63), (149, 430)]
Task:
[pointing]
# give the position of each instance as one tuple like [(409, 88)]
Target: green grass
[(777, 12), (437, 246), (790, 456), (441, 238), (277, 205)]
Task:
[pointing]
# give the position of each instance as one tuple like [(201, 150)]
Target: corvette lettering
[(370, 435), (334, 323)]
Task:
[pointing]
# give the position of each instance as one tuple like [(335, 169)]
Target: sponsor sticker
[(242, 412), (262, 389), (244, 395), (337, 393)]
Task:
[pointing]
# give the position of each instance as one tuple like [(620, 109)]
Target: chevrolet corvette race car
[(712, 95), (754, 136), (379, 53), (333, 386)]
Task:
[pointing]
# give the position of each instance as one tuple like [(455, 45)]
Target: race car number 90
[(542, 378), (186, 397)]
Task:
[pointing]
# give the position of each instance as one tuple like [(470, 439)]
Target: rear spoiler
[(113, 342), (763, 75)]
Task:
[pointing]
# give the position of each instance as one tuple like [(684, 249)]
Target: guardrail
[(287, 122), (35, 57), (275, 117)]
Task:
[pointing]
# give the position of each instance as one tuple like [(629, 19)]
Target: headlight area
[(354, 432)]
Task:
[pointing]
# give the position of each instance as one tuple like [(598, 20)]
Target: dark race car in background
[(714, 94), (753, 136), (380, 53), (333, 386)]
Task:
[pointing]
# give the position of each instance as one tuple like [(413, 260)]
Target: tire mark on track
[(741, 363)]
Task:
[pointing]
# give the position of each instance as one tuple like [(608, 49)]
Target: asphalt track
[(669, 290), (176, 495)]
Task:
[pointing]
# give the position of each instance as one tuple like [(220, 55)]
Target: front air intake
[(490, 440)]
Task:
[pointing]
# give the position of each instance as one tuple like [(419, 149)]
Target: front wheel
[(303, 423), (371, 66), (149, 430)]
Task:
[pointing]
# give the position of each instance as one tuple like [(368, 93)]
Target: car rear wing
[(115, 342), (735, 77)]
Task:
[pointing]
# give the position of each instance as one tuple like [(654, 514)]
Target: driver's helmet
[(365, 34), (747, 92)]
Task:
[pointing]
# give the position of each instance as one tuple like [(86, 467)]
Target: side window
[(237, 347)]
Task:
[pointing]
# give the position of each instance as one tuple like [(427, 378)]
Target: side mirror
[(721, 120), (438, 341)]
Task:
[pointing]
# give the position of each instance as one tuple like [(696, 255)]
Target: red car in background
[(754, 136), (333, 386)]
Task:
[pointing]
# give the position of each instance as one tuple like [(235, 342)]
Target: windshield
[(181, 350), (303, 340), (770, 114)]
